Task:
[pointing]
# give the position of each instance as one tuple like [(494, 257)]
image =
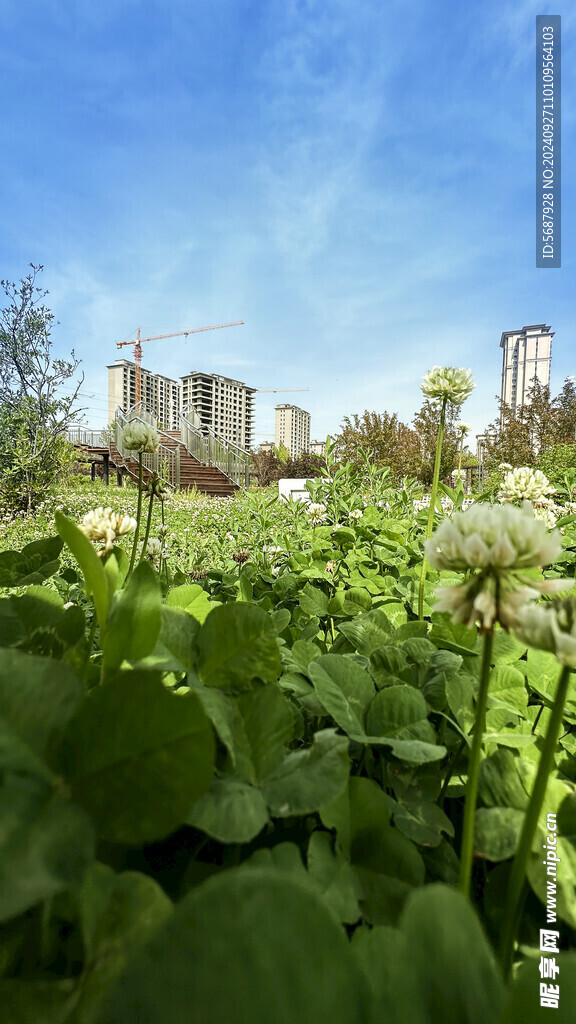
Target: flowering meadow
[(266, 760)]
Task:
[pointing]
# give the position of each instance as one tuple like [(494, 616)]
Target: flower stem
[(431, 510), (138, 514), (460, 454), (148, 522), (467, 849), (517, 881)]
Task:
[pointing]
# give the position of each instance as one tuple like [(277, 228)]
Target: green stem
[(517, 882), (467, 850), (138, 514), (431, 510), (92, 636), (460, 483), (148, 522), (163, 561)]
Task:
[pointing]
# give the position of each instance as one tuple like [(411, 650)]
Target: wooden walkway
[(193, 474)]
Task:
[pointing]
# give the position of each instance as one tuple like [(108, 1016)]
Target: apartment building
[(526, 354), (222, 403), (292, 429), (317, 447), (160, 395)]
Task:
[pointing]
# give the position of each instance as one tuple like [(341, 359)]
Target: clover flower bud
[(551, 628), (448, 382), (154, 485), (240, 555), (140, 437), (356, 513), (154, 549)]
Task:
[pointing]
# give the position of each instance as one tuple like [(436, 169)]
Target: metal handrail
[(211, 449), (92, 438)]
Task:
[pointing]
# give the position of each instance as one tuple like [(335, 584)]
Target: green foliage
[(33, 413), (526, 436), (558, 463), (269, 465), (388, 439), (241, 797), (407, 451)]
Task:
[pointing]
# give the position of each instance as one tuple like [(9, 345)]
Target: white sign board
[(293, 488)]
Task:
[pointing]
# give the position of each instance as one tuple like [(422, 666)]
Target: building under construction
[(160, 395), (223, 404)]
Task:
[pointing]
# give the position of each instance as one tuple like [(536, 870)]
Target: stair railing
[(211, 449), (193, 440)]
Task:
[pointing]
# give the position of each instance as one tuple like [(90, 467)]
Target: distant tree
[(521, 437), (383, 434), (558, 461), (425, 430), (34, 412), (565, 408), (306, 465), (539, 415), (267, 466), (282, 454), (507, 439)]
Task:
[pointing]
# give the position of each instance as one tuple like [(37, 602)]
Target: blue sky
[(354, 180)]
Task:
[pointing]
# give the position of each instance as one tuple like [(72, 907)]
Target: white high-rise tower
[(525, 354)]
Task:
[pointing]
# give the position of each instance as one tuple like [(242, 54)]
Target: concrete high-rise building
[(222, 403), (317, 447), (160, 395), (292, 429), (525, 354)]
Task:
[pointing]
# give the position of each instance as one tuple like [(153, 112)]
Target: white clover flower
[(154, 549), (527, 483), (545, 514), (504, 467), (140, 437), (104, 524), (551, 628), (463, 428), (316, 512), (448, 382), (458, 474), (330, 566), (492, 537), (356, 513), (500, 541)]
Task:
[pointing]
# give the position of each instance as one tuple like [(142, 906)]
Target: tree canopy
[(34, 411)]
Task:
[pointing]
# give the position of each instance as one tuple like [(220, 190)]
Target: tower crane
[(156, 337)]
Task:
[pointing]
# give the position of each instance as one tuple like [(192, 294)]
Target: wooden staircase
[(206, 479)]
